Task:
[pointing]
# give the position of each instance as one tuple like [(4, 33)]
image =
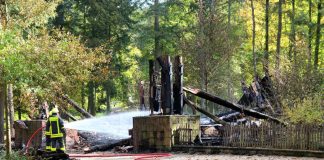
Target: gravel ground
[(183, 156), (234, 157)]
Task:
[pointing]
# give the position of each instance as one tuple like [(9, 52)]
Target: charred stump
[(177, 86), (166, 85)]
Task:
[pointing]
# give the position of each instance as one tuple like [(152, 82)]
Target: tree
[(253, 40), (292, 35), (2, 110), (278, 38), (318, 33), (266, 49), (157, 47), (309, 49), (229, 82), (11, 111), (108, 24), (57, 62), (8, 127), (3, 85), (91, 99), (201, 53)]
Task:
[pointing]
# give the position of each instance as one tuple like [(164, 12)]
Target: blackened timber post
[(151, 97), (166, 84), (154, 102), (177, 86)]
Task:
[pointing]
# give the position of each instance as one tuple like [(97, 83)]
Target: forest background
[(97, 52)]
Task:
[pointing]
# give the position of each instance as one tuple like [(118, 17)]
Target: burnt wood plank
[(236, 107)]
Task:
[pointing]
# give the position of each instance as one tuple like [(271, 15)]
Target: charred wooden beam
[(166, 84), (105, 147), (269, 93), (199, 109), (194, 111), (70, 116), (177, 86), (50, 155), (236, 107), (75, 105)]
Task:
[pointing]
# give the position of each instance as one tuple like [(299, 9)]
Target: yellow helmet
[(54, 110)]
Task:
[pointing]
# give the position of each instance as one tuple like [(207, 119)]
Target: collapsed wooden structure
[(168, 94)]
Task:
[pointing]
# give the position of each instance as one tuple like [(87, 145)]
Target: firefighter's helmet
[(55, 110)]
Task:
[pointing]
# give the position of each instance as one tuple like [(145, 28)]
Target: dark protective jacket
[(55, 127)]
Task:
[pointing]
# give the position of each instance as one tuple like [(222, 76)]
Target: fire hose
[(139, 156)]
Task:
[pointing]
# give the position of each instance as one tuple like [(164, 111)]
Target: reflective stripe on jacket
[(56, 127)]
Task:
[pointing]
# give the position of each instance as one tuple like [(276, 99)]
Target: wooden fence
[(270, 135)]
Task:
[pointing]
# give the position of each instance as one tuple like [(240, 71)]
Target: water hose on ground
[(139, 156), (32, 137)]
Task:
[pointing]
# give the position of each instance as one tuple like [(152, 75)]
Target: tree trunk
[(3, 16), (82, 96), (253, 40), (309, 48), (201, 54), (109, 91), (292, 35), (318, 33), (277, 65), (95, 100), (19, 112), (266, 49), (11, 109), (8, 128), (108, 109), (229, 13), (229, 80), (2, 110), (108, 88), (157, 45), (91, 99)]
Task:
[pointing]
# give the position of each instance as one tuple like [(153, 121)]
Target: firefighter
[(47, 131), (55, 130)]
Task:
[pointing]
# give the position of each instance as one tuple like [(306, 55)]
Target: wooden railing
[(270, 135)]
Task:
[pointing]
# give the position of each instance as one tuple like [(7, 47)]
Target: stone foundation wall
[(22, 134), (160, 132)]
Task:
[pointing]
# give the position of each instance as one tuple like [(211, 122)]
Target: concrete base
[(160, 132)]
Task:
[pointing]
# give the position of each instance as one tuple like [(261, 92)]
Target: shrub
[(308, 111)]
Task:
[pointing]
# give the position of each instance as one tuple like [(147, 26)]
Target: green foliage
[(14, 156), (61, 45), (42, 61), (30, 14), (56, 61), (309, 110)]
